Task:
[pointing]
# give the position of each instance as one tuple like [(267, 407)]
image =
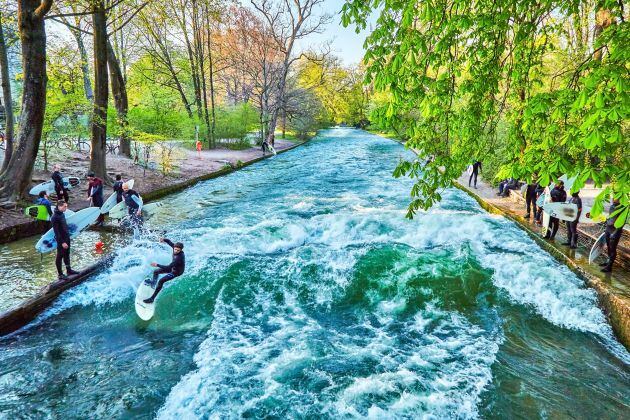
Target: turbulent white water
[(316, 297)]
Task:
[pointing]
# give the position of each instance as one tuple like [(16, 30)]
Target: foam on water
[(335, 306)]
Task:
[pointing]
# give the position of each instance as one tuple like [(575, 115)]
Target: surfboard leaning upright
[(597, 249)]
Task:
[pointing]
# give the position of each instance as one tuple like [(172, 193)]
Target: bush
[(234, 122)]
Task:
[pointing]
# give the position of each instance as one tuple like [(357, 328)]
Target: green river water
[(309, 295)]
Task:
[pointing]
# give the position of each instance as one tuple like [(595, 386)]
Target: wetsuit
[(119, 191), (613, 235), (46, 203), (558, 195), (572, 234), (530, 198), (174, 269), (265, 147), (60, 190), (95, 192), (476, 168), (62, 235), (134, 203)]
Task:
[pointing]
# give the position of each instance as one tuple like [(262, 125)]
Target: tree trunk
[(98, 150), (211, 74), (85, 69), (603, 19), (284, 121), (16, 178), (119, 91), (195, 54), (7, 99)]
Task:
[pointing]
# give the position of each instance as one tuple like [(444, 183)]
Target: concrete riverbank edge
[(32, 228), (616, 307), (24, 313)]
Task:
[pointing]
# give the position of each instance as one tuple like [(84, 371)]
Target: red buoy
[(98, 247)]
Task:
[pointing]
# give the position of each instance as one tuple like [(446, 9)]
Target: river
[(308, 294)]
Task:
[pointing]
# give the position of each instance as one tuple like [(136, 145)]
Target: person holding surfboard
[(134, 204), (265, 147), (62, 236), (558, 195), (613, 234), (572, 235), (60, 189), (44, 201), (174, 269), (95, 194)]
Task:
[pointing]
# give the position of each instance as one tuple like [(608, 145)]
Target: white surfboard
[(149, 210), (540, 201), (598, 248), (77, 223), (562, 211), (272, 150), (49, 186), (568, 182), (145, 310), (523, 189), (118, 211), (469, 170), (111, 201)]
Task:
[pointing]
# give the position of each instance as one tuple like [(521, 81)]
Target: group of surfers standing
[(95, 196), (558, 194)]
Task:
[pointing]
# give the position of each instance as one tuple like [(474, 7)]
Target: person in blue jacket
[(44, 201)]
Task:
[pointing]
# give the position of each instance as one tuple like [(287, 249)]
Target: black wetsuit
[(572, 234), (62, 235), (476, 168), (119, 191), (613, 235), (60, 190), (95, 192), (530, 198), (174, 269), (558, 195)]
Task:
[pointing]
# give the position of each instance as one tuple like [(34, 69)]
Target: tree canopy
[(465, 79)]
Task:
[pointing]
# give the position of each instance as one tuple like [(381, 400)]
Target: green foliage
[(340, 90), (234, 122), (456, 72)]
